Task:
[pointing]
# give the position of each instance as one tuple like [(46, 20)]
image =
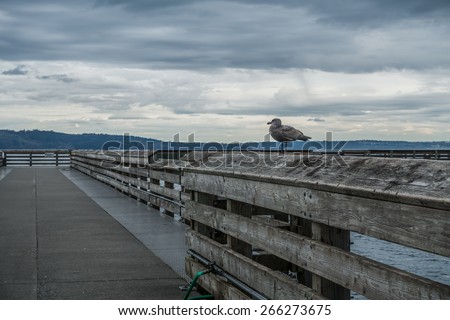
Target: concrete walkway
[(160, 233), (57, 243)]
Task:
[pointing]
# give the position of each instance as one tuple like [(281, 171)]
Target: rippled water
[(428, 265)]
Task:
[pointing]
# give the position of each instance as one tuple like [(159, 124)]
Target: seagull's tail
[(303, 138)]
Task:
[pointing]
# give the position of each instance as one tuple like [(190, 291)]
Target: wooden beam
[(415, 226), (166, 176), (365, 276), (408, 181), (272, 284), (214, 284), (167, 192)]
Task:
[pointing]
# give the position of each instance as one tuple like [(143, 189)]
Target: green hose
[(192, 285)]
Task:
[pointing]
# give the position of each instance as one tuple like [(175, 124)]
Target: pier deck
[(56, 242)]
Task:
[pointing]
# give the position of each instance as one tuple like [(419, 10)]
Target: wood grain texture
[(365, 276), (214, 284), (411, 225), (166, 176), (124, 184), (410, 181), (272, 284)]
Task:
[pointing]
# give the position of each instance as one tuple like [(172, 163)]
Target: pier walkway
[(64, 235)]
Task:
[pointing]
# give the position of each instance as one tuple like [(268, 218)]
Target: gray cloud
[(344, 12), (58, 77), (17, 71), (347, 35), (423, 106), (126, 117), (316, 120), (135, 62)]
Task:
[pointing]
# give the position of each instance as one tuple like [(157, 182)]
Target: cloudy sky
[(363, 69)]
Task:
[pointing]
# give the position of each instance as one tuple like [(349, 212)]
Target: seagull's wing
[(290, 133)]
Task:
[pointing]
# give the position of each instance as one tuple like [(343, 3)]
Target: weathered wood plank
[(214, 284), (95, 162), (185, 196), (112, 166), (80, 168), (272, 284), (170, 206), (96, 156), (134, 158), (268, 219), (420, 227), (167, 192), (116, 184), (133, 170), (104, 176), (166, 176), (365, 276), (140, 194), (141, 162), (409, 181), (103, 171), (144, 184)]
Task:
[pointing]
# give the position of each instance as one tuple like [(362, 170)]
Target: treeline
[(37, 139)]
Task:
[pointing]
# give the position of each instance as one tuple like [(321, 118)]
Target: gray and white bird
[(283, 133)]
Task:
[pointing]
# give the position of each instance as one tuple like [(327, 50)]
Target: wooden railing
[(281, 223), (13, 158), (410, 154), (131, 173)]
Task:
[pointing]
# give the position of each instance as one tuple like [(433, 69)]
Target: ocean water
[(425, 264)]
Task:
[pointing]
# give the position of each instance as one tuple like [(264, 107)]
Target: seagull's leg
[(283, 146)]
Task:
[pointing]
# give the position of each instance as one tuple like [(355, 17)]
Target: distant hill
[(37, 139)]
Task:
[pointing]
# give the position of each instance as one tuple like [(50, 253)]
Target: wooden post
[(155, 181), (169, 185), (207, 199), (245, 210), (338, 238), (303, 227)]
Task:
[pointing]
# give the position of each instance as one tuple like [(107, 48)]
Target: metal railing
[(29, 158)]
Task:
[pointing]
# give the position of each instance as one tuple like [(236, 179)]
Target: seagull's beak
[(269, 122)]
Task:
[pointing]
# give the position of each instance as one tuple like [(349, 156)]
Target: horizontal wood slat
[(360, 274), (415, 226), (213, 283), (130, 180), (264, 280)]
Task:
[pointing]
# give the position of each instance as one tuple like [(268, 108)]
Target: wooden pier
[(276, 226), (281, 223), (56, 242)]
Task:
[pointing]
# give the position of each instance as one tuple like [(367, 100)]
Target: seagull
[(284, 134)]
